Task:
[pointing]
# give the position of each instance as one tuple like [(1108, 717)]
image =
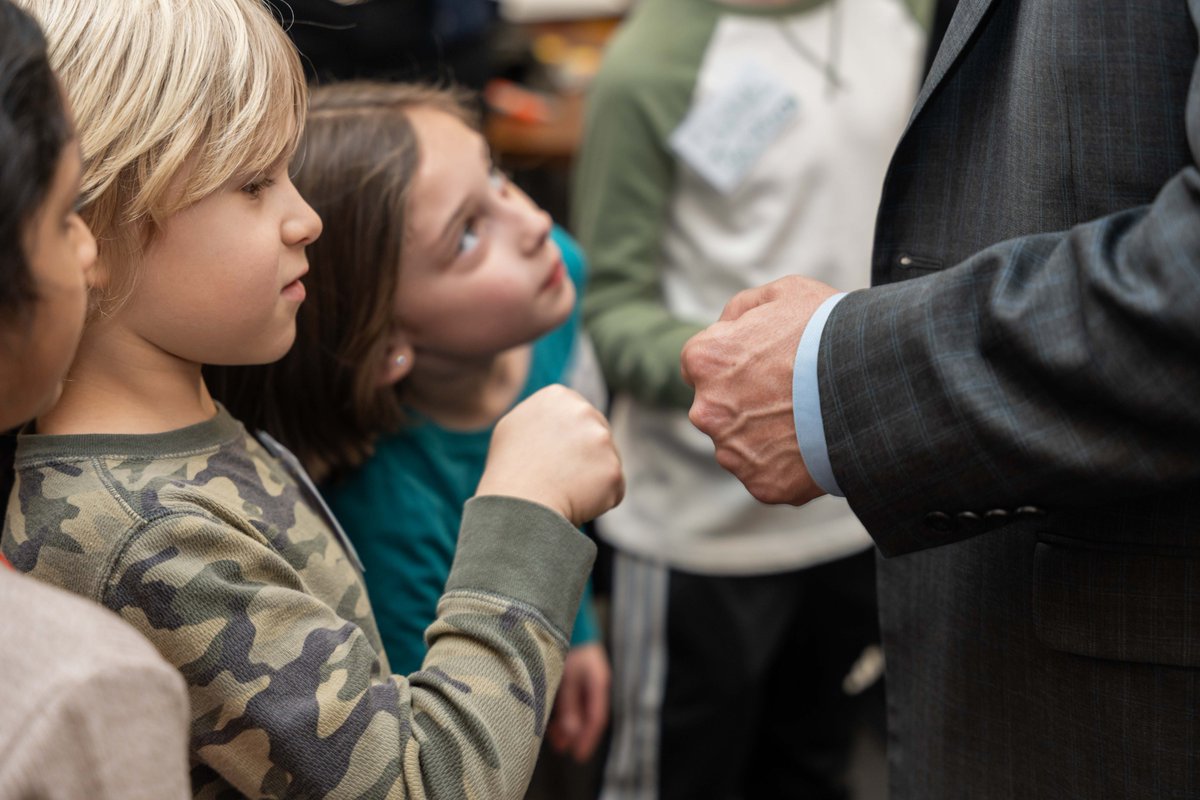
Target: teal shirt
[(403, 508)]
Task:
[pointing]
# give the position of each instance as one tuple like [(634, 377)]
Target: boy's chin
[(265, 353), (20, 404), (282, 350)]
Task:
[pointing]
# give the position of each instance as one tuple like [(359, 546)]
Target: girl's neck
[(121, 383), (467, 394)]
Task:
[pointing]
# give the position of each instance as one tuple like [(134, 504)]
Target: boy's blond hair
[(173, 99)]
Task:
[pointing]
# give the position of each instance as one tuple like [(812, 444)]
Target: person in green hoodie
[(728, 143)]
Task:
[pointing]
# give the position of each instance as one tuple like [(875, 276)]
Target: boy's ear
[(99, 276), (398, 360)]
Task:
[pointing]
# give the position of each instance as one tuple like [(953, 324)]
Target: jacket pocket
[(909, 261), (1117, 604)]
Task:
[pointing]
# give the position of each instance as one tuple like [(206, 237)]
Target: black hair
[(33, 131)]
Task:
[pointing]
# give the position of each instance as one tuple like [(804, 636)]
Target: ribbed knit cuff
[(525, 551)]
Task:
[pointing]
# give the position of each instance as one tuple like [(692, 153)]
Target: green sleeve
[(922, 11), (288, 695), (622, 187)]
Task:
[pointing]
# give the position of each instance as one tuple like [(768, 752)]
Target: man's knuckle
[(728, 459)]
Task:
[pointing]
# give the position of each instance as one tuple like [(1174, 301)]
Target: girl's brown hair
[(354, 166)]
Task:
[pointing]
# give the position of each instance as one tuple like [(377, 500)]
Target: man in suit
[(1013, 410)]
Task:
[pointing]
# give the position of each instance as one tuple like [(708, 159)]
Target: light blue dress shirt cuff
[(806, 400)]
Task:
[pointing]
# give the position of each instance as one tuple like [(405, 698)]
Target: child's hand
[(557, 450), (580, 712)]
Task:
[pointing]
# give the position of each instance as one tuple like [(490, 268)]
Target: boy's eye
[(255, 187)]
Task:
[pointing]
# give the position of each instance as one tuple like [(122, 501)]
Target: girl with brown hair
[(440, 295)]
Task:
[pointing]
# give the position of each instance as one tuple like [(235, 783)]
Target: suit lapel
[(967, 16)]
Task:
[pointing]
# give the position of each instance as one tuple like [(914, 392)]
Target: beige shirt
[(668, 248), (88, 709)]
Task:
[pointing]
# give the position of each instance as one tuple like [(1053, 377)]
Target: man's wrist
[(806, 400)]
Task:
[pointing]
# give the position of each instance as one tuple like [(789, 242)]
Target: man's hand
[(741, 369), (581, 707)]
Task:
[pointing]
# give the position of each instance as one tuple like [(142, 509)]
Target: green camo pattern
[(217, 555)]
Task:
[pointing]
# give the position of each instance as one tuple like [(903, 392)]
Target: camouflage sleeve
[(289, 696)]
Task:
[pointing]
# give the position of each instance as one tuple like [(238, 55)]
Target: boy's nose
[(303, 226)]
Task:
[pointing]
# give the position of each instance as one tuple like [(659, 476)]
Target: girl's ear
[(398, 360)]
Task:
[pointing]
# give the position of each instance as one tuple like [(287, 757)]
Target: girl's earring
[(397, 365)]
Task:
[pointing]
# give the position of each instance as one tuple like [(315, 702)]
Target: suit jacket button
[(968, 517), (996, 514), (1030, 511), (939, 521)]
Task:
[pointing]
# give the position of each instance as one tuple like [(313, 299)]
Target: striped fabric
[(639, 657)]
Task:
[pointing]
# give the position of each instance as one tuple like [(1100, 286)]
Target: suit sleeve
[(1055, 371)]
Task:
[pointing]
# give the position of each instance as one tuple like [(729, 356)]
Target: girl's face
[(480, 273), (220, 283), (61, 254)]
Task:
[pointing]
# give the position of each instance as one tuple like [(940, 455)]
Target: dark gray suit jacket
[(1018, 425)]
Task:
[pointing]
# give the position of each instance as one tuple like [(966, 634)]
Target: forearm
[(1053, 370), (638, 344), (289, 692), (620, 215), (502, 630)]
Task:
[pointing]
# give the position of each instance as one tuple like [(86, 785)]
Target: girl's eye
[(470, 238), (255, 187)]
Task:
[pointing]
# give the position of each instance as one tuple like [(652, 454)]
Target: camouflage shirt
[(208, 546)]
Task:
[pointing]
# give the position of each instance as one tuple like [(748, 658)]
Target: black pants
[(732, 687)]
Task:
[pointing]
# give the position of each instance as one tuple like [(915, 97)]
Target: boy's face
[(479, 272), (220, 282), (61, 254)]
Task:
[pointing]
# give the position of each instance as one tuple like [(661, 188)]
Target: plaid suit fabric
[(1015, 418)]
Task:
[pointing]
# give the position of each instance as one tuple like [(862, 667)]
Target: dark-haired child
[(87, 707)]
